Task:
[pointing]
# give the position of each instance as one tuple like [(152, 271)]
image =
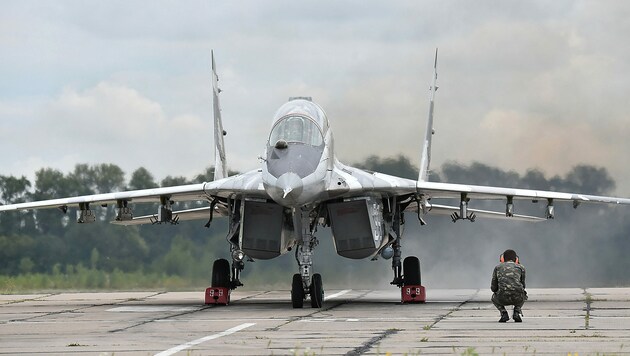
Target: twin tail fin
[(425, 157)]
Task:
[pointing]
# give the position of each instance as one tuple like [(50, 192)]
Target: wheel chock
[(218, 295), (413, 294)]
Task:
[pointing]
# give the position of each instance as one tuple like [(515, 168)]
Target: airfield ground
[(352, 322)]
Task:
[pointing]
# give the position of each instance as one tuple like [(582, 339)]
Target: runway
[(351, 322)]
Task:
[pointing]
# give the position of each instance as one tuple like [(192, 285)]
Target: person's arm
[(494, 285), (523, 276)]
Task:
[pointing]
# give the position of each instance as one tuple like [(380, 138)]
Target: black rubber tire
[(297, 291), (317, 291), (411, 271), (221, 273)]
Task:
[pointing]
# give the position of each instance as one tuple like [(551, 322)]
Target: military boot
[(504, 317), (517, 316)]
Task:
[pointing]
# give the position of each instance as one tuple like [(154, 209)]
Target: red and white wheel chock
[(218, 295), (413, 294)]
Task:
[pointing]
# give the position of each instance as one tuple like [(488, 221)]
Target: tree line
[(47, 245)]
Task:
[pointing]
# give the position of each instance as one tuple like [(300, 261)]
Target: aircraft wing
[(349, 182), (449, 190), (249, 184), (192, 192)]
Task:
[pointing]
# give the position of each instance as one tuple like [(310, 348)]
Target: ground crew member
[(508, 285)]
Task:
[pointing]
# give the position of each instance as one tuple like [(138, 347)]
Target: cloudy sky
[(522, 84)]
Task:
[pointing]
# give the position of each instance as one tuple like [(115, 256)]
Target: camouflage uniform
[(508, 285)]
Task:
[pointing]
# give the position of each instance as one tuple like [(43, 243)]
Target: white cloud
[(110, 123), (114, 113)]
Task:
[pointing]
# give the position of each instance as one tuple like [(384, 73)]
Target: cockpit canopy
[(297, 129), (299, 121)]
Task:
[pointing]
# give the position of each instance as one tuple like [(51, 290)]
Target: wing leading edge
[(351, 182), (215, 193)]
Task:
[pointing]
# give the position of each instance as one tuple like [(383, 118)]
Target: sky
[(522, 85)]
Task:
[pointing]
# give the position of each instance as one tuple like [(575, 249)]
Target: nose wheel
[(297, 291), (316, 291)]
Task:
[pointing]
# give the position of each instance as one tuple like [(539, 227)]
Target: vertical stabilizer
[(425, 158), (220, 163)]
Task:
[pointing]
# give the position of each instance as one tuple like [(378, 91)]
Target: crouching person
[(508, 285)]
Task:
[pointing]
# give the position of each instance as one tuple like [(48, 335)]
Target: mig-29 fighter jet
[(300, 185)]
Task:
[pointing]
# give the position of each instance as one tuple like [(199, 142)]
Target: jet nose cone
[(291, 186)]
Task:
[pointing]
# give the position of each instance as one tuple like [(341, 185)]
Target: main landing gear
[(410, 283), (412, 291), (407, 273), (219, 292)]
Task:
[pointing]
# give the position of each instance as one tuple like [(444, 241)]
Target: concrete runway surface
[(352, 322)]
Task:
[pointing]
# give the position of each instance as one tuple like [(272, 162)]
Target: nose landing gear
[(316, 291)]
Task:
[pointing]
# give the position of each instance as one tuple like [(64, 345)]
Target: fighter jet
[(300, 186)]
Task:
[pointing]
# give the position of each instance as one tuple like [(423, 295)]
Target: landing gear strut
[(219, 292), (303, 284)]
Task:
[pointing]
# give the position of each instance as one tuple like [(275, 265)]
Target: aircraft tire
[(221, 273), (411, 270), (297, 291), (317, 291)]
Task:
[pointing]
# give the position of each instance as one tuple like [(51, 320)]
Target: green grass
[(91, 279)]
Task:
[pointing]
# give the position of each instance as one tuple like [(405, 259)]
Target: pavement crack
[(451, 311), (371, 342), (144, 322), (64, 311), (32, 299), (254, 295)]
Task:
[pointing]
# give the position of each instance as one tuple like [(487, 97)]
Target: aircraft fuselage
[(299, 154)]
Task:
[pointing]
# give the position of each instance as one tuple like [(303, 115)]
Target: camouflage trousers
[(500, 300)]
